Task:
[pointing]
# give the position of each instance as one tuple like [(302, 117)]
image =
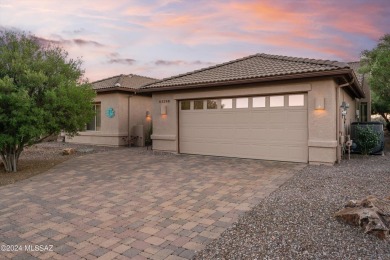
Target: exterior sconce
[(163, 109), (320, 104), (344, 105), (148, 116), (344, 108)]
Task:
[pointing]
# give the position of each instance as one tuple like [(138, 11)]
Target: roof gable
[(130, 82), (251, 67)]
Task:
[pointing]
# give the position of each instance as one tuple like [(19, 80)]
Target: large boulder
[(371, 213)]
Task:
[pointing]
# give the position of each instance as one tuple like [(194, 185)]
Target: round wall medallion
[(110, 112)]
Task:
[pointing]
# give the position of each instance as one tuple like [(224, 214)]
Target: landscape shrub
[(367, 139)]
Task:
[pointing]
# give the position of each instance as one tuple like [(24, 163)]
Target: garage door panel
[(296, 135), (276, 118), (207, 133), (217, 148), (296, 117), (266, 133)]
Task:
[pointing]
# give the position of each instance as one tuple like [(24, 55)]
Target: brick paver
[(132, 203)]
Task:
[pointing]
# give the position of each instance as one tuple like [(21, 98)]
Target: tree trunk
[(10, 158), (385, 117)]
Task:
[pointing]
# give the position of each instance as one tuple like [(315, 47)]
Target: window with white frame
[(95, 123), (212, 104), (258, 102), (296, 100), (227, 103), (185, 105), (198, 104), (242, 102), (276, 101)]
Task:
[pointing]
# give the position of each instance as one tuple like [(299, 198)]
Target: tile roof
[(131, 82), (251, 67)]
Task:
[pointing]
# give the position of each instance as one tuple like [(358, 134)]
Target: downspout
[(128, 121), (338, 121)]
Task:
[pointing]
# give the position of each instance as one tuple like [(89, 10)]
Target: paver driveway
[(132, 204)]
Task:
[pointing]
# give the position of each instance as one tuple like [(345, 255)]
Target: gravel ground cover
[(41, 157), (296, 221)]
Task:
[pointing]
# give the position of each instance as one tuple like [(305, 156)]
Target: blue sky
[(161, 38)]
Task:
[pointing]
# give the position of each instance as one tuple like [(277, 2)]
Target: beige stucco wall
[(322, 139), (115, 131), (322, 134), (351, 113), (138, 107)]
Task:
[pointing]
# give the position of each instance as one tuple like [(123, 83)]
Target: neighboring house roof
[(255, 67), (362, 78), (129, 82), (355, 65)]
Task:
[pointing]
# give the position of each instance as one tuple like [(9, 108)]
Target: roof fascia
[(255, 80)]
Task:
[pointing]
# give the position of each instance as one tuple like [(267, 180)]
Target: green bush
[(367, 139)]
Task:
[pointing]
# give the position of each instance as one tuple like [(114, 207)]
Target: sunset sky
[(161, 38)]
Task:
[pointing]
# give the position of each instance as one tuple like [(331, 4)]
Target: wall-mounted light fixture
[(148, 116), (320, 104), (163, 109), (344, 105), (344, 108)]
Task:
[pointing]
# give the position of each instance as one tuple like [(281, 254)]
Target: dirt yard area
[(41, 157)]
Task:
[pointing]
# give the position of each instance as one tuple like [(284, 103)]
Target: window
[(226, 103), (198, 104), (185, 105), (363, 112), (212, 104), (296, 100), (242, 103), (95, 124), (276, 101), (258, 102)]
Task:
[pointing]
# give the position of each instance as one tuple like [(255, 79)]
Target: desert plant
[(42, 91), (367, 139)]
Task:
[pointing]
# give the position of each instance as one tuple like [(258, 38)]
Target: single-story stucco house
[(261, 107), (122, 114)]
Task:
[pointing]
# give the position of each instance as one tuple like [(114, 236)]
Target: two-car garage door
[(263, 127)]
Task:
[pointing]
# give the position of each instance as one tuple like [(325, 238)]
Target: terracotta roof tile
[(251, 67), (130, 81)]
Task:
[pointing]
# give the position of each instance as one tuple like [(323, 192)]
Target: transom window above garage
[(276, 101), (242, 102), (212, 104), (227, 103), (296, 100), (198, 104), (256, 102), (185, 105)]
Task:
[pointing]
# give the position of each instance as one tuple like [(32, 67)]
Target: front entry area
[(258, 127)]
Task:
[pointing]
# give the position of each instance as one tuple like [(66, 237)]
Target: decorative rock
[(68, 151), (371, 213)]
